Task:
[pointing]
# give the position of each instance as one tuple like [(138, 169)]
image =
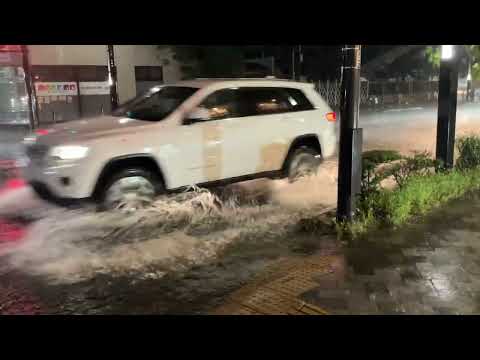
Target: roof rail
[(246, 78)]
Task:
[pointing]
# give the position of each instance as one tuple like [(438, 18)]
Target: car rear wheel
[(130, 189), (304, 161)]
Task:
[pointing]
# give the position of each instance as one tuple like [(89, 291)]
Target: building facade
[(44, 84)]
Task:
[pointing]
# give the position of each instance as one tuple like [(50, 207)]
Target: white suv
[(199, 132)]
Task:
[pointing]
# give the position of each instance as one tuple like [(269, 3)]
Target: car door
[(257, 142), (222, 107)]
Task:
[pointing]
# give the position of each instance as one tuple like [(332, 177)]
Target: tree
[(209, 61), (473, 51), (396, 61), (432, 53)]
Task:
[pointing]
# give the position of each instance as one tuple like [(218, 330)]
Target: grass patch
[(418, 196), (419, 189), (469, 152), (380, 156), (421, 194)]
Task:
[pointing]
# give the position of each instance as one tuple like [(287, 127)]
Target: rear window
[(266, 100), (298, 100)]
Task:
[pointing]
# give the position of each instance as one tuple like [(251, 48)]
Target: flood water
[(185, 255), (180, 256), (430, 267)]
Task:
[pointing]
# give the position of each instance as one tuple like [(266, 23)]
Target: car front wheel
[(130, 189)]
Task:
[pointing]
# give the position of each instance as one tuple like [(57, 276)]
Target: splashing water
[(177, 232)]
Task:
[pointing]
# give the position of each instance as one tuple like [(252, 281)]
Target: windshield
[(155, 104)]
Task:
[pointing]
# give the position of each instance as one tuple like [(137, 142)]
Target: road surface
[(179, 257)]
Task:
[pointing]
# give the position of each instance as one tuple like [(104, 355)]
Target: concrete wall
[(126, 58), (68, 54)]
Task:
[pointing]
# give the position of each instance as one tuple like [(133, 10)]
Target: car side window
[(251, 101), (222, 104), (265, 100)]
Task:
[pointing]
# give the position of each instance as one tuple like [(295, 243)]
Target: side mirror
[(196, 115)]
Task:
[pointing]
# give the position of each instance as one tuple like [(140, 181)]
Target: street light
[(447, 52)]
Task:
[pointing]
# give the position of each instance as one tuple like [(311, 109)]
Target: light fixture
[(69, 152), (447, 52)]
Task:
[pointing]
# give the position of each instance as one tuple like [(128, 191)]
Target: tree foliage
[(209, 61), (433, 55)]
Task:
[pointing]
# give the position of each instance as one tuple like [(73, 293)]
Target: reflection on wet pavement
[(181, 256), (426, 268), (430, 267), (180, 261)]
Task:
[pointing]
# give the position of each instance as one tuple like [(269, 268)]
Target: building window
[(147, 77), (149, 73)]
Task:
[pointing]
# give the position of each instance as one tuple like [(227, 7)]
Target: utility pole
[(350, 153), (112, 77), (293, 62), (300, 62), (447, 105), (469, 81)]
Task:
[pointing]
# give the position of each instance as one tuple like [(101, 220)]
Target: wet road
[(414, 128), (426, 268), (184, 258)]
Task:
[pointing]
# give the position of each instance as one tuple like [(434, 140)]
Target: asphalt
[(76, 266)]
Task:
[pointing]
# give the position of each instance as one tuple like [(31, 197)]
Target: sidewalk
[(276, 291), (428, 268)]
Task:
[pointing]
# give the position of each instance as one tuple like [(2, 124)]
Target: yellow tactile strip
[(276, 290)]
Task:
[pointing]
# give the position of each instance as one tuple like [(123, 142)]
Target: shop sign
[(56, 88), (5, 58), (94, 88), (12, 48)]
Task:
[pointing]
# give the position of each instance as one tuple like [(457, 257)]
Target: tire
[(130, 189), (303, 161)]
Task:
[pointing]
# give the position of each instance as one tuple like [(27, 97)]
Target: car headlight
[(69, 152)]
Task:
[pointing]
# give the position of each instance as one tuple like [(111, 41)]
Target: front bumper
[(60, 180), (44, 192)]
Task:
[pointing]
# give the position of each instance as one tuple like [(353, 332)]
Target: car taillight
[(41, 132), (331, 116)]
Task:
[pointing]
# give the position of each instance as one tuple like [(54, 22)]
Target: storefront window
[(14, 109)]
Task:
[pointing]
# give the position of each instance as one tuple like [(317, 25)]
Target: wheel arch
[(310, 140), (115, 164)]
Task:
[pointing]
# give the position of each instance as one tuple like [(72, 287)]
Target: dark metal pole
[(32, 100), (112, 71), (447, 109), (80, 108), (349, 165), (300, 62), (293, 62), (469, 81)]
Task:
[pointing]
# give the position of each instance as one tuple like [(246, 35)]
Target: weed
[(419, 189), (469, 152)]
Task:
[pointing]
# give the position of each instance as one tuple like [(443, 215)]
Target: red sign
[(11, 48)]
